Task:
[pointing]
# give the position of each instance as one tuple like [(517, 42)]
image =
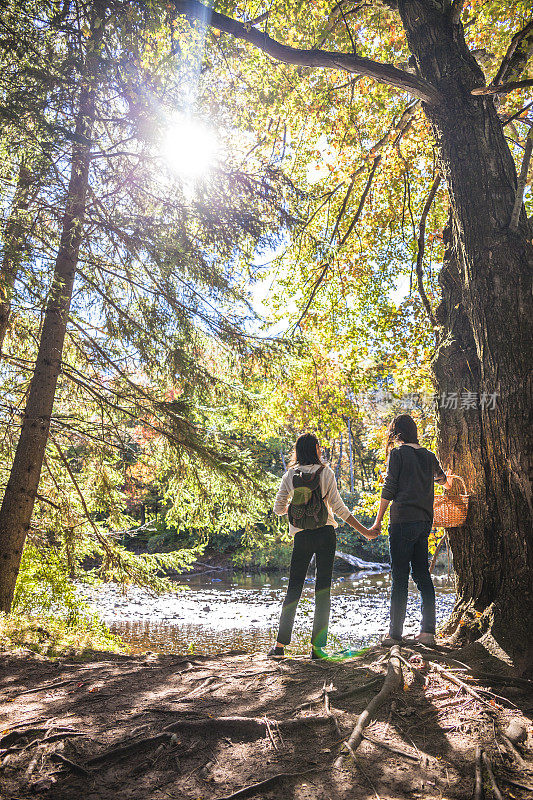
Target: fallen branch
[(270, 734), (492, 779), (392, 682), (458, 682)]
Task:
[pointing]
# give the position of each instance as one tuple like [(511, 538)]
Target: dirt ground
[(241, 725)]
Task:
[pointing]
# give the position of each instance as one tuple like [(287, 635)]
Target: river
[(223, 611)]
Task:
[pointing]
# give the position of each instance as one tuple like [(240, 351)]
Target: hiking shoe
[(276, 652), (389, 641), (318, 652), (427, 639)]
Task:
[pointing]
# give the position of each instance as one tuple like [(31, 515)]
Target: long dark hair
[(402, 427), (305, 450)]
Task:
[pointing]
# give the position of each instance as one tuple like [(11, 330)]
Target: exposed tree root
[(128, 749), (513, 752), (184, 753), (478, 779), (336, 697), (242, 726), (396, 750), (247, 791), (488, 766), (358, 689), (329, 712), (77, 768), (392, 682)]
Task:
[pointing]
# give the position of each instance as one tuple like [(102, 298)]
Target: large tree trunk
[(486, 340), (21, 489), (13, 246)]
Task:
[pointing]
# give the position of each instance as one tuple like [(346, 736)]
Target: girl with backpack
[(309, 495), (411, 471)]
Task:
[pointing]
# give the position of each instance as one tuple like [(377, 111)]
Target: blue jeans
[(408, 542)]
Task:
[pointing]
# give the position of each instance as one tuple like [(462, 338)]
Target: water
[(225, 611)]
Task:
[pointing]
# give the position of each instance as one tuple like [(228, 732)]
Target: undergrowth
[(55, 636)]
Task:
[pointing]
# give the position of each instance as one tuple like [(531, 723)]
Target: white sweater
[(330, 493)]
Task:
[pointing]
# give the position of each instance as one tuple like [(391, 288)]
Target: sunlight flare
[(189, 148)]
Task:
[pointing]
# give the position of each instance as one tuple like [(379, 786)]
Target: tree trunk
[(486, 336), (338, 468), (21, 489), (350, 453), (13, 246)]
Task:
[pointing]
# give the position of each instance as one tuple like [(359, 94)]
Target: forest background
[(204, 253)]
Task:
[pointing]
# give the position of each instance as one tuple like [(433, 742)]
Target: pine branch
[(350, 62)]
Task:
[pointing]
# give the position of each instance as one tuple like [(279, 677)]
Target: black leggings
[(320, 542)]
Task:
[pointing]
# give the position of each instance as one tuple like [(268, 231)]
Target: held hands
[(374, 531)]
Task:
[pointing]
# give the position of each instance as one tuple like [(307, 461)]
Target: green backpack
[(307, 509)]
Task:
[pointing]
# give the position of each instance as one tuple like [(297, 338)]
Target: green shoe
[(318, 652)]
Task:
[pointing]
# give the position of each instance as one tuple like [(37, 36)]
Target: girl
[(305, 462), (411, 470)]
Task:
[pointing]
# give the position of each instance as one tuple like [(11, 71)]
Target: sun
[(189, 148)]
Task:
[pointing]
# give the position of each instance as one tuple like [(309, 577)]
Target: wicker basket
[(450, 510)]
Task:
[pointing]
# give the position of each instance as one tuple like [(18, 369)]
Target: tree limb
[(350, 62), (504, 88), (517, 55), (515, 216), (312, 295), (456, 11), (421, 248), (517, 114), (362, 201)]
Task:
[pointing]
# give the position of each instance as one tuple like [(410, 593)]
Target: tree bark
[(350, 454), (486, 340), (13, 246), (339, 462), (21, 489)]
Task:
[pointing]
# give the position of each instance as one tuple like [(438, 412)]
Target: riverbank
[(239, 725)]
